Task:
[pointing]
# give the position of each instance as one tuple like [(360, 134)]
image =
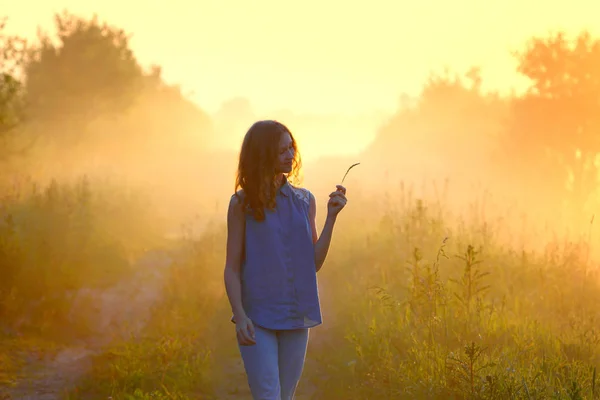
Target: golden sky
[(319, 56)]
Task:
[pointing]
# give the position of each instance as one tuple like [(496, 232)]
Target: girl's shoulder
[(239, 195), (236, 200), (302, 193)]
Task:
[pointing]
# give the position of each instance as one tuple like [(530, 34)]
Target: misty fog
[(114, 187)]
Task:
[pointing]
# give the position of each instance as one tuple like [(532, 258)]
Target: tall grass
[(173, 357), (60, 238), (431, 310), (417, 304), (55, 240)]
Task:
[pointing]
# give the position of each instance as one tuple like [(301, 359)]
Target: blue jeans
[(274, 364)]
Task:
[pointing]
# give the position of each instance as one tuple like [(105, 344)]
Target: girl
[(273, 256)]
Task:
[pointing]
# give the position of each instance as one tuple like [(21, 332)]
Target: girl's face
[(286, 155)]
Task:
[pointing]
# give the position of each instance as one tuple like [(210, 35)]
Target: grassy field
[(416, 305)]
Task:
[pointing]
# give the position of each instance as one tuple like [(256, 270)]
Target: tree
[(555, 125), (88, 71), (93, 107), (450, 129), (11, 99), (162, 124)]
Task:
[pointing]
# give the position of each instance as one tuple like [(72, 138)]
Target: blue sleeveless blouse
[(279, 277)]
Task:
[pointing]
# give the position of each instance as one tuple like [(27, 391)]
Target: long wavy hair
[(257, 167)]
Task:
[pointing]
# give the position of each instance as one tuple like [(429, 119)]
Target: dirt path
[(123, 308), (50, 379)]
